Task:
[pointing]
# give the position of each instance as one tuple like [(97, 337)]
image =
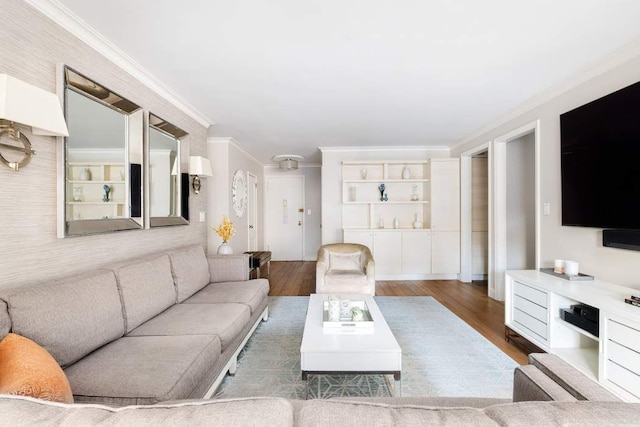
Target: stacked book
[(633, 300)]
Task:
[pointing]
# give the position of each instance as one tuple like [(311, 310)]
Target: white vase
[(363, 173), (417, 223), (85, 174), (225, 249), (396, 223), (406, 173)]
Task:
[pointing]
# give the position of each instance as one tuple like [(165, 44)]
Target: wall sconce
[(198, 166), (28, 105)]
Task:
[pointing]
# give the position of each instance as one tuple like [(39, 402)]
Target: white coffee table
[(349, 350)]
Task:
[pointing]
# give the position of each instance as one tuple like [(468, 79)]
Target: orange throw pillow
[(26, 369)]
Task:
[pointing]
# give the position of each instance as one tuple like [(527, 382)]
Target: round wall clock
[(239, 193)]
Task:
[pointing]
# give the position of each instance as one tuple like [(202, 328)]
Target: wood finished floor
[(469, 301)]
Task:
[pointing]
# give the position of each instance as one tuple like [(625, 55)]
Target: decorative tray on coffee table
[(346, 320), (579, 276)]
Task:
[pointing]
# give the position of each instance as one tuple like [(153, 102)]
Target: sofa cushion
[(251, 293), (229, 268), (190, 271), (223, 320), (143, 370), (579, 413), (5, 320), (69, 318), (26, 369), (257, 411), (340, 413), (344, 261), (147, 289)]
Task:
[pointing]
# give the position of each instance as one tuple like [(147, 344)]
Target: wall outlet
[(546, 209), (202, 216)]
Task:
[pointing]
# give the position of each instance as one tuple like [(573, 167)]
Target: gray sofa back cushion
[(190, 271), (5, 320), (147, 289), (70, 318)]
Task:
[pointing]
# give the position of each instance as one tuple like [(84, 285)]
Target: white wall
[(31, 46), (226, 158), (581, 244), (332, 159), (521, 244)]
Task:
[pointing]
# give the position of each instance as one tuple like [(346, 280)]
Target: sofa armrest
[(569, 378), (322, 266), (530, 384), (229, 268)]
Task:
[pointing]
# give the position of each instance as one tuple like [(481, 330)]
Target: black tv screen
[(600, 160)]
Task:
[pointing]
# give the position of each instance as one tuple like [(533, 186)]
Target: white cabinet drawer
[(624, 357), (623, 335), (533, 295), (534, 310), (534, 325), (623, 378)]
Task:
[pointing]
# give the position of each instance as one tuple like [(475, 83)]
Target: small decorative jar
[(225, 249), (406, 173), (85, 174)]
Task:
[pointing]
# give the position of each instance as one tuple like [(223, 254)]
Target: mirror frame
[(134, 170), (182, 139)]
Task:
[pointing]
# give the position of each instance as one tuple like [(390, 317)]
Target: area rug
[(441, 356)]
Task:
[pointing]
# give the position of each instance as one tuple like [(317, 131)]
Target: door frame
[(498, 206), (252, 201), (265, 189)]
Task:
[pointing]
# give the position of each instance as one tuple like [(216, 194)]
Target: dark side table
[(258, 260)]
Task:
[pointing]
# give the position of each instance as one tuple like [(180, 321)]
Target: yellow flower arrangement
[(225, 230)]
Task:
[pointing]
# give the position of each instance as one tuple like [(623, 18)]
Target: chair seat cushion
[(143, 370), (224, 320), (251, 293)]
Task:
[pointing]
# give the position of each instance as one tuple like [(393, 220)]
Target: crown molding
[(235, 144), (385, 148), (615, 59), (76, 26)]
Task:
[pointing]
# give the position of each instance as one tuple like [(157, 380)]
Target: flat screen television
[(600, 161)]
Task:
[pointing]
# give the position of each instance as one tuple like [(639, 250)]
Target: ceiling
[(289, 76)]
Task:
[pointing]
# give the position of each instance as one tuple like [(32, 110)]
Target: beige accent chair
[(345, 268)]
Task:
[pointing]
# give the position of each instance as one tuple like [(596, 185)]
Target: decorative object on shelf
[(199, 166), (287, 162), (107, 190), (406, 173), (77, 194), (417, 223), (396, 223), (571, 268), (85, 174), (383, 196), (225, 230), (122, 174), (31, 106), (414, 193), (381, 222), (239, 193), (558, 266), (363, 173), (353, 194)]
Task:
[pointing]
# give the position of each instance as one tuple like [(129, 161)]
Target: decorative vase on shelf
[(225, 249), (396, 223), (363, 173), (406, 173), (417, 223), (107, 190), (85, 174), (382, 188)]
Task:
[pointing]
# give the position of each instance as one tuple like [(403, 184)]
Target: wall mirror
[(102, 159), (168, 173)]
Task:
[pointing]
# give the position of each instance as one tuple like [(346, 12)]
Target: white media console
[(533, 301)]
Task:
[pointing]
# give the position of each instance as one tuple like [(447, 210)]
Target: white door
[(284, 207), (252, 211)]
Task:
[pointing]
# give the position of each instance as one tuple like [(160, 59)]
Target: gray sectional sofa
[(547, 392), (164, 327)]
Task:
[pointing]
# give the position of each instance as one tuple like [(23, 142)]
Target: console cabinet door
[(416, 252), (360, 237), (445, 252), (386, 252)]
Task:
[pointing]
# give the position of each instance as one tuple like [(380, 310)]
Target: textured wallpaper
[(31, 47)]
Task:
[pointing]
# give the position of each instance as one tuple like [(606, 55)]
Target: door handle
[(251, 226), (299, 222)]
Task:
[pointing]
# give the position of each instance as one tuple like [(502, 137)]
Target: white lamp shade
[(200, 166), (29, 105)]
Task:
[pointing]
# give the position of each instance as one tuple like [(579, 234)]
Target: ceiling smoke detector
[(287, 162)]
